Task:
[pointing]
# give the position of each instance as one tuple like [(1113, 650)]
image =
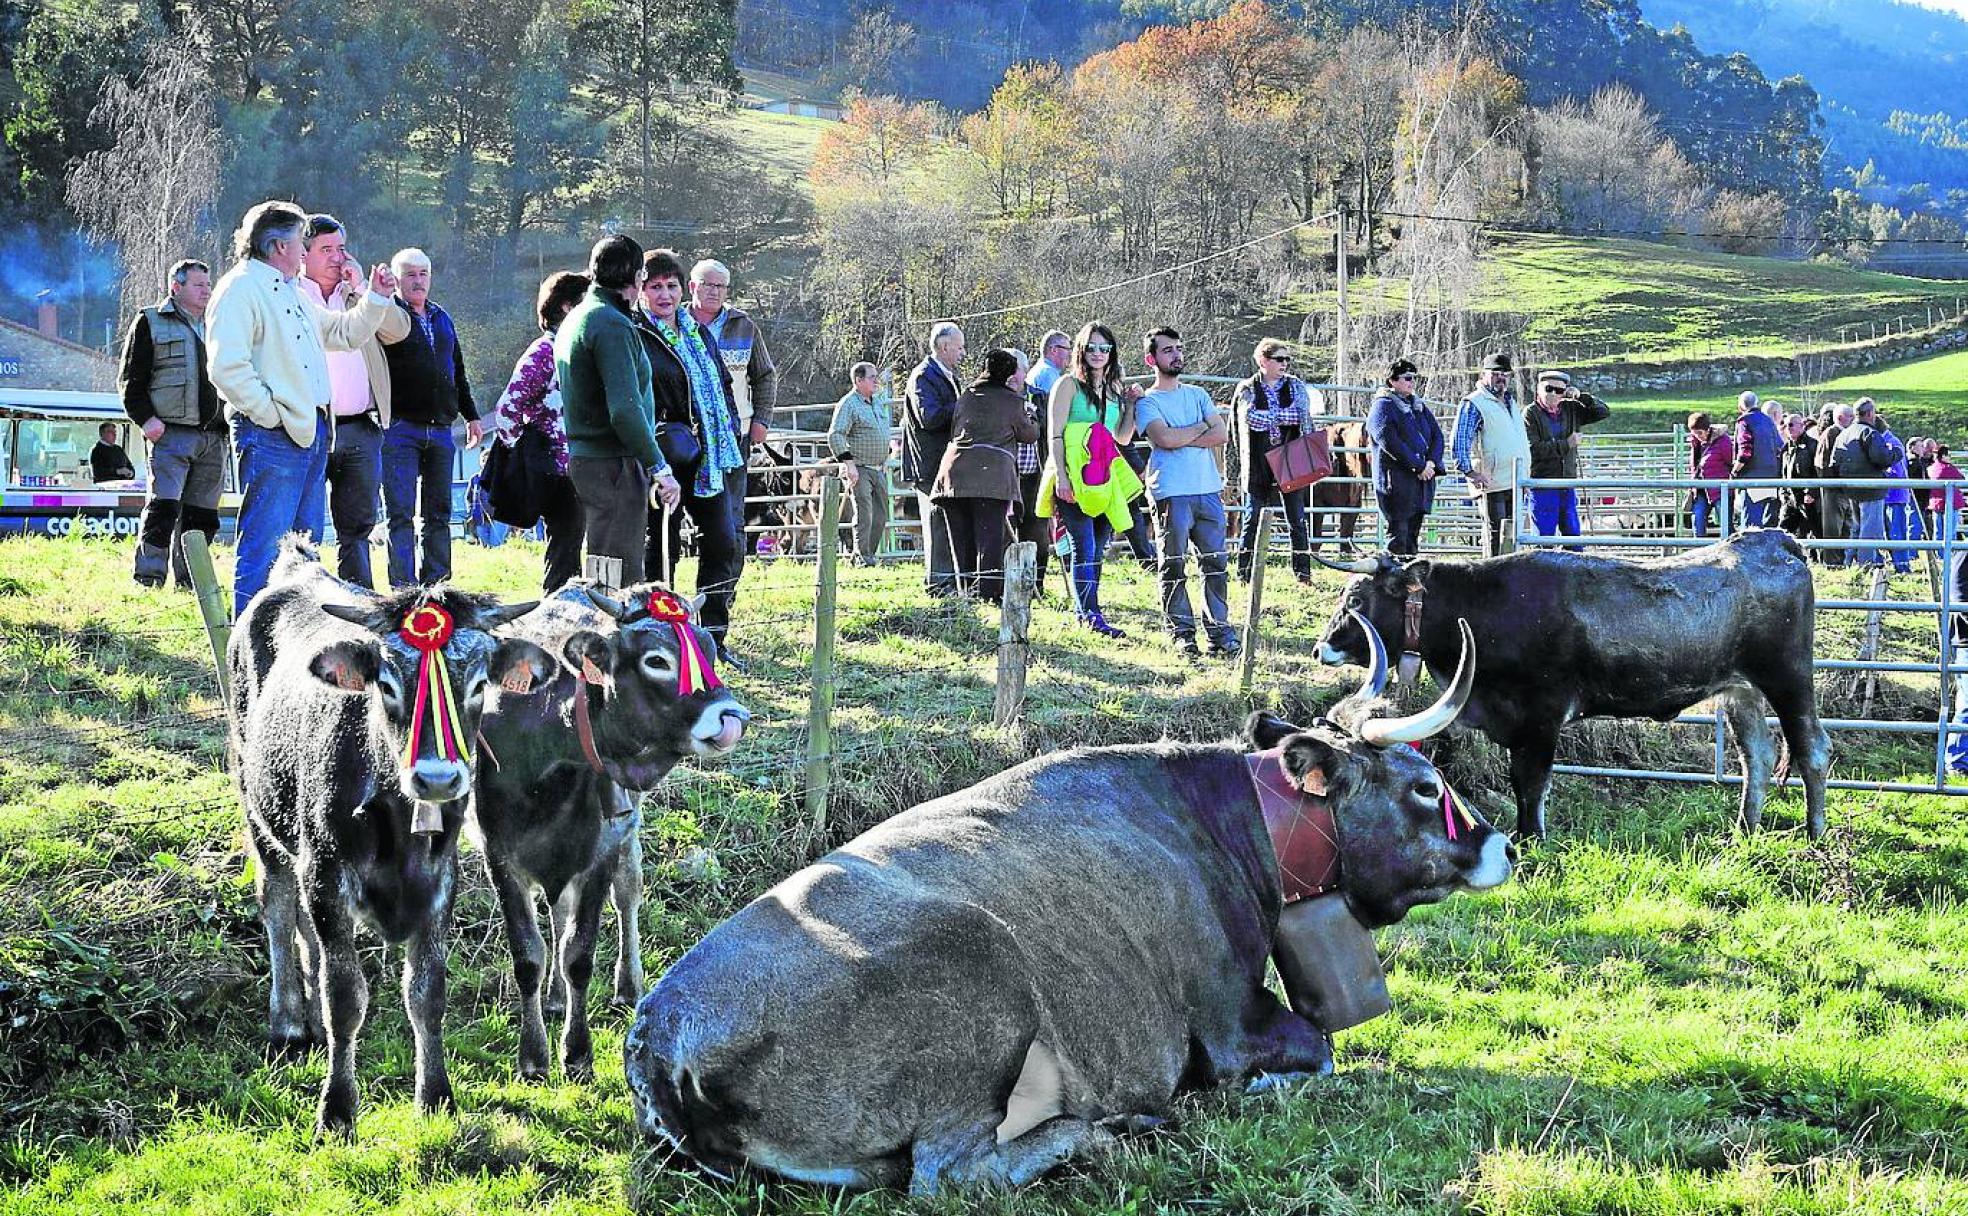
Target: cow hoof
[(533, 1074), (289, 1046), (438, 1100), (1269, 1082), (334, 1124), (581, 1070)]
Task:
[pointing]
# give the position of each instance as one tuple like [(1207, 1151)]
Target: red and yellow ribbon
[(694, 670), (426, 630)]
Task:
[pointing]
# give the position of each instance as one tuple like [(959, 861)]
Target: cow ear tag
[(1314, 784), (590, 672), (694, 670), (519, 680), (425, 629), (347, 679)]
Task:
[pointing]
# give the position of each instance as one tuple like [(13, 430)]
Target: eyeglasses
[(1405, 376), (1098, 348), (1280, 359), (1558, 389)]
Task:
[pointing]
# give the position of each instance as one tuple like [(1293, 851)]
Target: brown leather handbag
[(1302, 461)]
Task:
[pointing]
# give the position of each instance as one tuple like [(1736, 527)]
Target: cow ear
[(349, 666), (1417, 572), (589, 653), (1311, 762), (1266, 731), (519, 667)]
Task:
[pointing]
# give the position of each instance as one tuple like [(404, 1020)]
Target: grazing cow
[(556, 812), (1567, 635), (1328, 493), (353, 716), (981, 986)]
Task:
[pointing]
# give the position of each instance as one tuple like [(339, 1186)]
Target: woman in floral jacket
[(531, 402)]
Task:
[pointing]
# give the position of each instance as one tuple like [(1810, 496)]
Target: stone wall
[(1826, 363)]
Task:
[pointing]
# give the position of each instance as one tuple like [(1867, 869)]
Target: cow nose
[(439, 780), (720, 727)]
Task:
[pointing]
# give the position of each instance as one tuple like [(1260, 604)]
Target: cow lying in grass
[(353, 723), (984, 985)]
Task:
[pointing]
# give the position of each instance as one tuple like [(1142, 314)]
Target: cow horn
[(1376, 681), (1416, 727), (613, 607), (499, 614), (1359, 565), (355, 614)]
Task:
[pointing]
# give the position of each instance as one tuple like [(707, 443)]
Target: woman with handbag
[(978, 481), (697, 428), (526, 471), (1272, 408), (1408, 450), (1088, 420)]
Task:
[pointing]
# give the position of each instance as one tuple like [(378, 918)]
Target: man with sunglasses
[(1492, 451), (1553, 423)]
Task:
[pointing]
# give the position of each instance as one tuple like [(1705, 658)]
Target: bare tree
[(151, 191), (1607, 165)]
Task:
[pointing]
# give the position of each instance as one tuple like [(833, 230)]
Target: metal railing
[(1946, 549)]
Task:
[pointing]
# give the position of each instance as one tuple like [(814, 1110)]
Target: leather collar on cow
[(589, 675), (1410, 666), (1300, 823)]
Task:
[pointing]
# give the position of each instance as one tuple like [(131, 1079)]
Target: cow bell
[(1329, 965)]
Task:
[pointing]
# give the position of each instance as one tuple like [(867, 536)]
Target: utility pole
[(1339, 264)]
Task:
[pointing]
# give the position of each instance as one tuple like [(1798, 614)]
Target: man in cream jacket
[(1492, 450), (269, 349)]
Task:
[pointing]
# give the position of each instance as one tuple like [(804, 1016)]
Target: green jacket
[(605, 382)]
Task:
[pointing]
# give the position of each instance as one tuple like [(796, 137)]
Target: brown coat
[(981, 462)]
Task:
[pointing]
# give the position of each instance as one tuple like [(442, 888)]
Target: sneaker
[(1225, 648), (1185, 648)]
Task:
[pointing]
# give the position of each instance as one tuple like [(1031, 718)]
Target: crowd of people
[(635, 407), (640, 401)]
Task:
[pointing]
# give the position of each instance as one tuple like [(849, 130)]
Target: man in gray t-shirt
[(1185, 486)]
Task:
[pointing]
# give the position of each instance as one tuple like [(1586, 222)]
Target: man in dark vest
[(168, 393), (1759, 454)]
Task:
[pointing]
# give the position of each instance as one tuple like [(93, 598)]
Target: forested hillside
[(1890, 76)]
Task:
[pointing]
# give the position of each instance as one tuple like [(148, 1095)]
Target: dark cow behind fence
[(353, 772), (978, 988), (1568, 635), (1329, 493), (557, 812)]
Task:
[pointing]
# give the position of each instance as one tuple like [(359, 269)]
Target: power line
[(1535, 230), (1140, 278)]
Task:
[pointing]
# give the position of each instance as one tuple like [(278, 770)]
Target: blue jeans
[(355, 476), (418, 458), (1180, 521), (1091, 534), (1757, 514), (1556, 512), (1872, 526), (285, 490), (1899, 516), (1704, 511)]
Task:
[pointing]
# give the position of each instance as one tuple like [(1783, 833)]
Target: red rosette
[(427, 628), (668, 606)]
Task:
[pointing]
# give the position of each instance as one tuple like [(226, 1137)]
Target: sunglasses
[(1098, 348), (1284, 359), (1405, 376), (1559, 389)]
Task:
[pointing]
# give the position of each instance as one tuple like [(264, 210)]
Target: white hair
[(403, 259), (943, 330), (1747, 401), (709, 266), (1024, 360)]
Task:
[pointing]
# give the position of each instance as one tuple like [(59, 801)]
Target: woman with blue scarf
[(697, 428)]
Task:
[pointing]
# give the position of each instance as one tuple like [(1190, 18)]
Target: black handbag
[(679, 443), (517, 479)]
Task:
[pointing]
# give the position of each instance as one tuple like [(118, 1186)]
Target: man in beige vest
[(168, 394), (1492, 451), (358, 396)]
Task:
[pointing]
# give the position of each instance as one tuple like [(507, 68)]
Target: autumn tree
[(877, 141), (1024, 140)]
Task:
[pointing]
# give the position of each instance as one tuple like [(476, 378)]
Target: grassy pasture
[(1656, 1016)]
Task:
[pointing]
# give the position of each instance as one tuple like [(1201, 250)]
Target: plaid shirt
[(861, 428), (1271, 417), (1027, 454)]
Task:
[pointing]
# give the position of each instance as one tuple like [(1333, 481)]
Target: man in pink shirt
[(359, 397)]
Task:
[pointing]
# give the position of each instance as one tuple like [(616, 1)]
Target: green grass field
[(1655, 1017), (1924, 397)]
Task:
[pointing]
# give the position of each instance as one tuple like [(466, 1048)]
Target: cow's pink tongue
[(731, 728)]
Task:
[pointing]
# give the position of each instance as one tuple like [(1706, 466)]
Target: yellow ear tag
[(519, 680)]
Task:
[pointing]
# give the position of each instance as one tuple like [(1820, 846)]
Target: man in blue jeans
[(1185, 431), (267, 346), (428, 392)]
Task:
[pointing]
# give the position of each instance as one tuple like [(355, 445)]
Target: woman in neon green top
[(1091, 393)]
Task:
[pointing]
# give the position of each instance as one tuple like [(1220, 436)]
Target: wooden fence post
[(1014, 627), (1247, 663), (212, 607), (606, 572), (820, 706)]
